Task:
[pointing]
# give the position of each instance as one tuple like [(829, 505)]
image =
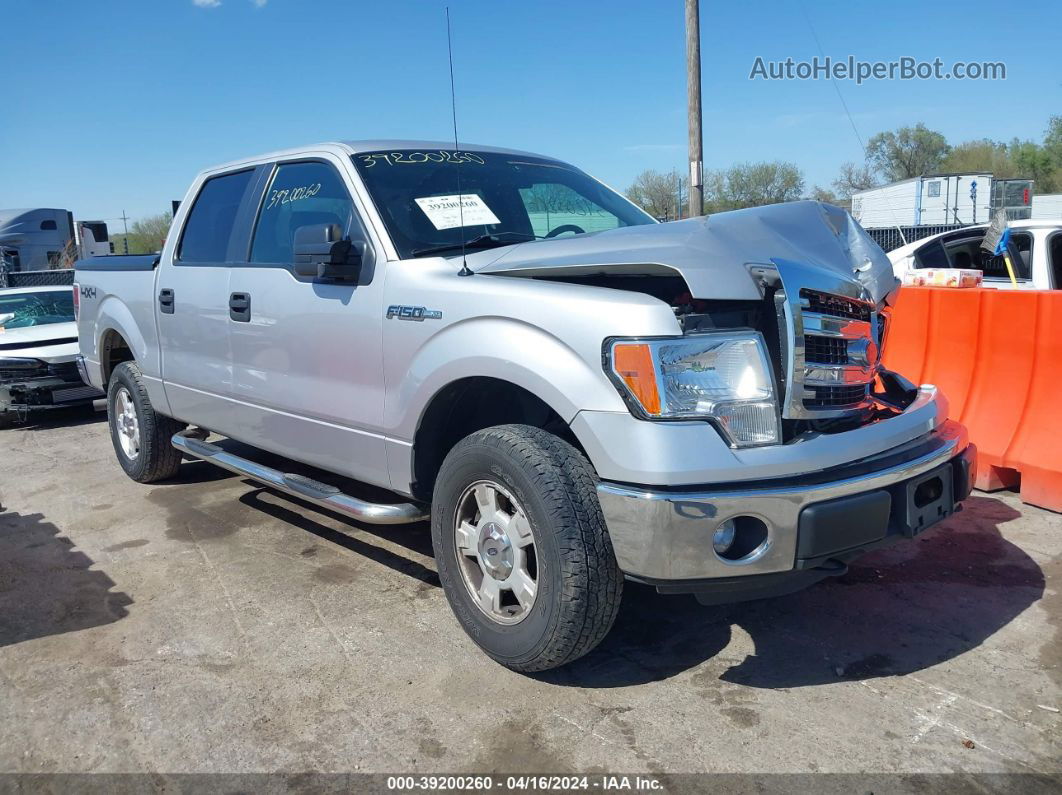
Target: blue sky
[(115, 104)]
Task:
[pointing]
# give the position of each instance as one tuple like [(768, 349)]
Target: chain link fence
[(889, 237), (59, 276)]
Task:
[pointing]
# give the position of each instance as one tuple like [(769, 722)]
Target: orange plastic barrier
[(997, 356)]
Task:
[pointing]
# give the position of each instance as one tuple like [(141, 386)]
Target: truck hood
[(820, 242), (53, 342)]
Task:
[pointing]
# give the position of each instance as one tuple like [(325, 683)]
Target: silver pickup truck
[(573, 393)]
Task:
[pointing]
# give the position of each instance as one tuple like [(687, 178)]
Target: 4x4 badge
[(412, 313)]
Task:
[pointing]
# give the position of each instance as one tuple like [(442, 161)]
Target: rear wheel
[(521, 547), (141, 437)]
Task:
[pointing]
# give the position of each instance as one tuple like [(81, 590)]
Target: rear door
[(307, 369), (192, 304)]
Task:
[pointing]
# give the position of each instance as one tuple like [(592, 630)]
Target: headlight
[(724, 377), (7, 363)]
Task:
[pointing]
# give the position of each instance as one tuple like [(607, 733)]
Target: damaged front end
[(32, 385), (804, 275)]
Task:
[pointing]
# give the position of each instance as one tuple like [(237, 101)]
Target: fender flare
[(114, 315)]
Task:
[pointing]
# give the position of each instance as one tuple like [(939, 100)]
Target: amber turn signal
[(633, 362)]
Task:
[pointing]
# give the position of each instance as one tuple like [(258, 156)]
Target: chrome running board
[(298, 485)]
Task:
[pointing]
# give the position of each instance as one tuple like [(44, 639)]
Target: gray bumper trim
[(664, 535)]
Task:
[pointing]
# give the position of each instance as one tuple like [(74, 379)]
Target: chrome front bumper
[(662, 535)]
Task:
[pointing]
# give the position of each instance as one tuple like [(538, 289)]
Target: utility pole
[(693, 103)]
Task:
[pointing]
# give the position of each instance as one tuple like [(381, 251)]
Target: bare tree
[(820, 194), (854, 178)]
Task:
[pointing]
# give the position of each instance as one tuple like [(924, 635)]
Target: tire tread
[(592, 584), (158, 458)]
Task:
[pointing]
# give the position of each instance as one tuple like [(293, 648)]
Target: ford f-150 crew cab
[(573, 393)]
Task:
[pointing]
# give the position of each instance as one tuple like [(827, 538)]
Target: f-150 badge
[(412, 313)]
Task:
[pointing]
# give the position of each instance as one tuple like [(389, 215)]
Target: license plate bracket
[(929, 499)]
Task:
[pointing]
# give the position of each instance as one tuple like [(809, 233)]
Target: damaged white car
[(38, 351)]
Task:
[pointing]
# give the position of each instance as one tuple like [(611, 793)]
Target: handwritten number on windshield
[(413, 158)]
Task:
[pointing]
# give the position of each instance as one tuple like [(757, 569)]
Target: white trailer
[(939, 199), (1047, 206), (922, 201)]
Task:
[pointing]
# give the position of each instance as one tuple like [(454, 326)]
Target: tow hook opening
[(928, 492)]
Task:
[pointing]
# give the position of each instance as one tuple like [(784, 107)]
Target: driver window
[(551, 206), (301, 194)]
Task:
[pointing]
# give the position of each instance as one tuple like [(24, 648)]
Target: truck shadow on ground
[(414, 537), (897, 611), (47, 586), (67, 417)]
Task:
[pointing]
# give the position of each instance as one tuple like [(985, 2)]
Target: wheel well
[(470, 405), (113, 351)]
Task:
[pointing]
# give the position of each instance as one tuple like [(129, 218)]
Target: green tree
[(1035, 162), (146, 235), (907, 152), (659, 194), (752, 185), (990, 157), (1053, 140), (1048, 161)]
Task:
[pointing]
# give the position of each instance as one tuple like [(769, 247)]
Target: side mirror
[(321, 253)]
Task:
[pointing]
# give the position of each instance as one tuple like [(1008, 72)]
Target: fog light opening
[(724, 536), (739, 537)]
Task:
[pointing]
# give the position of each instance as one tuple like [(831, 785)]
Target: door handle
[(166, 301), (240, 307)]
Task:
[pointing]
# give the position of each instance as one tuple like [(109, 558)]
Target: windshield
[(507, 199), (20, 310)]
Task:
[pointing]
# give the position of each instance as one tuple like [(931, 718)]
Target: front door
[(307, 370)]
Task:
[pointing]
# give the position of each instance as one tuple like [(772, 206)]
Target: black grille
[(23, 373), (825, 350), (836, 306), (67, 371), (835, 396)]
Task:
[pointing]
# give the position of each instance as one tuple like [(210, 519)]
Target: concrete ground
[(208, 625)]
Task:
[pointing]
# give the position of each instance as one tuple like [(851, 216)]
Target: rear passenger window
[(209, 225), (301, 194), (1055, 256), (995, 267)]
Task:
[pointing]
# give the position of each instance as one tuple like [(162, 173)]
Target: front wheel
[(140, 436), (521, 546)]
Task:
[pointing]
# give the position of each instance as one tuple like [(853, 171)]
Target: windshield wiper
[(482, 241)]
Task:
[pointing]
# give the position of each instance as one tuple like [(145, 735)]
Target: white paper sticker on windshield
[(447, 212)]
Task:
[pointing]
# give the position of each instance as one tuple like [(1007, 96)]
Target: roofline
[(355, 147)]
